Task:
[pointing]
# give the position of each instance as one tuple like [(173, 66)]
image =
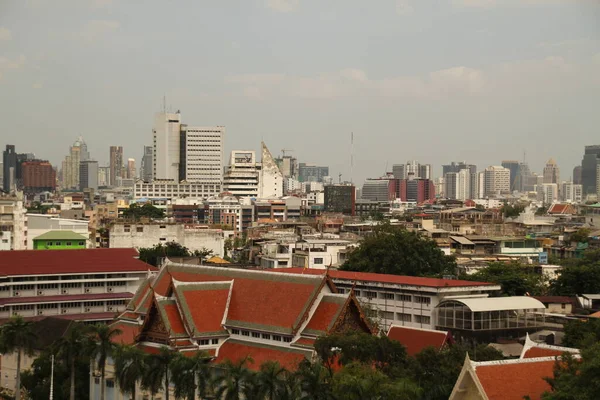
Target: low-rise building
[(40, 224), (59, 240), (172, 189), (13, 229)]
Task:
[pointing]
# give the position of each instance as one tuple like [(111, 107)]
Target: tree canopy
[(136, 212), (515, 278), (578, 276), (512, 210), (153, 255), (395, 250)]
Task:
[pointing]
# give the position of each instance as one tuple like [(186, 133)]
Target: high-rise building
[(70, 166), (547, 192), (312, 173), (166, 136), (457, 166), (412, 167), (589, 169), (416, 190), (496, 181), (201, 154), (38, 176), (551, 172), (571, 192), (288, 166), (103, 176), (340, 199), (146, 167), (377, 190), (88, 175), (9, 167), (513, 167), (522, 181), (131, 173), (458, 185), (116, 165), (399, 171), (577, 175), (425, 171)]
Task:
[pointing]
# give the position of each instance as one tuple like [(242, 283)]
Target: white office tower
[(572, 193), (201, 154), (496, 181), (166, 132), (458, 185), (547, 192), (244, 177)]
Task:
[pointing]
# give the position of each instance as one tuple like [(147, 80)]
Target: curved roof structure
[(498, 303)]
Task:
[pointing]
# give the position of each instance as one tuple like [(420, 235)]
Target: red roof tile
[(514, 381), (60, 298), (45, 262), (174, 319), (128, 332), (385, 278), (305, 342), (536, 352), (326, 314), (235, 350), (203, 306), (415, 339)]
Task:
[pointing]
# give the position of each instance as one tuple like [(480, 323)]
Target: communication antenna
[(351, 157)]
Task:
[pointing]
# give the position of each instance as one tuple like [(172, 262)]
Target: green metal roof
[(60, 235)]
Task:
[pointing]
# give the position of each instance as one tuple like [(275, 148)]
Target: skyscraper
[(551, 172), (9, 166), (70, 166), (589, 169), (131, 172), (496, 180), (399, 171), (88, 175), (513, 167), (458, 185), (146, 167), (457, 166), (115, 164), (38, 176), (312, 173), (577, 175)]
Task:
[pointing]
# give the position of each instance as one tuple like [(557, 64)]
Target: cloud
[(96, 29), (5, 34), (283, 6), (403, 8)]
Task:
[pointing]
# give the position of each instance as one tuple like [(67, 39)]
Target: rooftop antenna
[(351, 156)]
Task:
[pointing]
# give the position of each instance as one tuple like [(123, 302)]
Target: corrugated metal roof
[(499, 303), (462, 240), (60, 235)]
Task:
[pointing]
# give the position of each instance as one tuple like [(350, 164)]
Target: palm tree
[(72, 347), (229, 384), (190, 375), (271, 380), (17, 335), (130, 367), (101, 348), (314, 381), (159, 370)]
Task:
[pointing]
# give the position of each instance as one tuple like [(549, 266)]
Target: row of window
[(206, 342), (66, 243), (391, 296), (258, 335), (420, 319)]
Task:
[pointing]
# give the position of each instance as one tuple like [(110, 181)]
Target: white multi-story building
[(547, 192), (496, 181), (202, 160), (172, 189), (458, 185), (13, 227), (166, 130), (571, 192), (39, 224)]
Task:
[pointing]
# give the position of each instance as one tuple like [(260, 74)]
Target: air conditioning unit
[(110, 289), (40, 312), (111, 308), (65, 291), (40, 292), (63, 311), (87, 290), (87, 309), (17, 294)]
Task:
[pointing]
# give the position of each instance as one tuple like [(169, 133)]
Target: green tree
[(271, 379), (231, 380), (136, 212), (395, 250), (159, 370), (580, 334), (17, 335), (512, 210), (130, 366), (153, 255), (580, 236), (72, 347), (576, 280), (190, 375), (315, 381), (515, 278), (102, 347), (576, 378)]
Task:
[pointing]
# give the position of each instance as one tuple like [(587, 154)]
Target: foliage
[(578, 276), (515, 278), (16, 335), (153, 255), (73, 348), (574, 378), (512, 210), (580, 236), (233, 379), (541, 210), (37, 208), (100, 348), (190, 375), (580, 334), (130, 367), (159, 370), (136, 212), (395, 250)]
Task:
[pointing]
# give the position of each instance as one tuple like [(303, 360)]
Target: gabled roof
[(129, 331), (235, 350), (533, 349), (557, 208), (61, 235), (169, 314), (76, 261), (417, 339), (326, 314), (203, 306)]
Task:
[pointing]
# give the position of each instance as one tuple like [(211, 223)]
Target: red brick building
[(38, 176)]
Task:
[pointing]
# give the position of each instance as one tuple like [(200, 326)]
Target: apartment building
[(83, 285), (13, 229)]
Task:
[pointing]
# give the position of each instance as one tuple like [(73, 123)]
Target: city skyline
[(402, 71)]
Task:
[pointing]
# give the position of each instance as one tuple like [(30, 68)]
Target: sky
[(435, 81)]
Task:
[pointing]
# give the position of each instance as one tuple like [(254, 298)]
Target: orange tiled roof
[(203, 305), (174, 318), (415, 339), (326, 314), (235, 350), (536, 352), (514, 381), (533, 349), (128, 332)]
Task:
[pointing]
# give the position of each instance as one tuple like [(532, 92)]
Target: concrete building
[(496, 181), (577, 175), (377, 190), (312, 173), (589, 169), (547, 193), (551, 172), (513, 167), (194, 237), (169, 190), (340, 199), (166, 149), (38, 176), (399, 171), (116, 165), (83, 285), (147, 164), (88, 175), (60, 240), (227, 210), (131, 170), (458, 185), (571, 192), (457, 166), (103, 176), (13, 228), (201, 154), (288, 166), (9, 168), (40, 224), (70, 166), (416, 189)]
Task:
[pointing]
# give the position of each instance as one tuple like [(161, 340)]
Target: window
[(215, 341), (386, 296), (357, 292), (370, 295), (68, 244), (49, 243), (203, 342), (407, 298), (422, 319), (386, 314), (341, 291), (287, 339), (318, 260), (97, 381), (235, 331), (139, 229), (163, 227), (245, 333), (277, 338), (255, 335), (423, 300), (82, 243), (266, 336), (404, 317), (110, 383), (563, 306), (58, 243)]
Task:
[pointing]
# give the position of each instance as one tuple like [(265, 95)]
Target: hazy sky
[(474, 80)]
